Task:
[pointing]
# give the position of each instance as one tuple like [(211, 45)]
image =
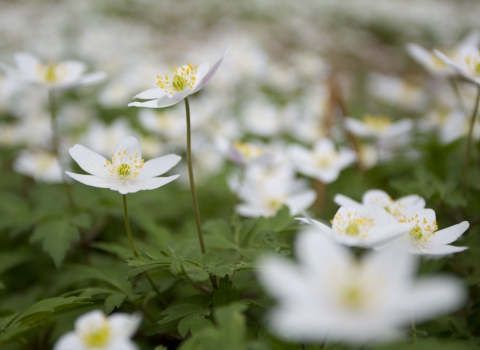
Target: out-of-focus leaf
[(113, 301), (55, 236)]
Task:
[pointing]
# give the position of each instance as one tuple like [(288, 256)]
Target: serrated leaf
[(226, 293), (196, 318), (178, 311), (113, 301), (55, 236)]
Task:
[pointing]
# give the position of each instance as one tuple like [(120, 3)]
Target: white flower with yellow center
[(467, 63), (182, 82), (55, 76), (95, 331), (324, 162), (330, 294), (374, 228), (378, 126), (126, 172), (404, 206), (423, 237), (41, 165)]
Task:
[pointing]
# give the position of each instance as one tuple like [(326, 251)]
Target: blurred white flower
[(266, 189), (324, 162), (41, 165), (54, 76), (165, 123), (404, 206), (330, 294), (127, 172), (186, 80), (424, 238), (396, 91), (466, 63), (372, 228), (262, 118), (103, 138), (379, 127), (95, 331), (433, 63), (243, 153)]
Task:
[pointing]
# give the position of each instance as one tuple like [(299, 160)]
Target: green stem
[(469, 142), (135, 252), (56, 148), (192, 187), (414, 330), (456, 91), (192, 181)]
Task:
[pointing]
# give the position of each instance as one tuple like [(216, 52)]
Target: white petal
[(342, 200), (346, 157), (69, 341), (411, 204), (158, 166), (124, 187), (435, 296), (27, 66), (324, 146), (377, 196), (122, 344), (9, 71), (152, 183), (73, 69), (91, 180), (381, 216), (301, 201), (93, 78), (440, 249), (398, 128), (130, 145), (209, 75), (92, 162), (93, 317), (358, 127), (421, 55), (449, 234), (124, 325), (150, 94)]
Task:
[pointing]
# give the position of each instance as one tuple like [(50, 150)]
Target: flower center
[(124, 167), (353, 297), (51, 72), (422, 231), (377, 122), (97, 335), (183, 78), (275, 204), (248, 150), (473, 63), (352, 225)]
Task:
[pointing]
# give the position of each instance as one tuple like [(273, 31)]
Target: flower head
[(378, 126), (95, 331), (126, 172), (405, 206), (54, 76), (330, 294), (466, 63), (41, 165), (183, 81)]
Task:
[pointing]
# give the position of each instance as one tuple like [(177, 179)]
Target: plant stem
[(414, 330), (135, 252), (469, 142), (456, 91), (56, 148), (192, 187), (192, 181)]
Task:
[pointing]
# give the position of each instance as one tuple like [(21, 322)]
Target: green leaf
[(109, 274), (176, 312), (55, 236), (226, 293), (160, 347), (281, 220), (81, 220), (219, 235), (113, 301), (12, 259), (196, 320), (48, 307)]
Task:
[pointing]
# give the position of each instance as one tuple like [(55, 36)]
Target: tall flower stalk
[(135, 252), (469, 143)]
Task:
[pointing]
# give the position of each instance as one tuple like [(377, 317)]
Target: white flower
[(378, 126), (186, 80), (42, 166), (95, 331), (243, 153), (324, 162), (423, 238), (405, 206), (373, 228), (127, 172), (54, 76), (467, 63), (330, 294), (433, 63), (266, 189)]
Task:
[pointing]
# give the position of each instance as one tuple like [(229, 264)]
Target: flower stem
[(469, 144), (192, 181), (192, 187), (135, 252), (414, 330), (56, 148)]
